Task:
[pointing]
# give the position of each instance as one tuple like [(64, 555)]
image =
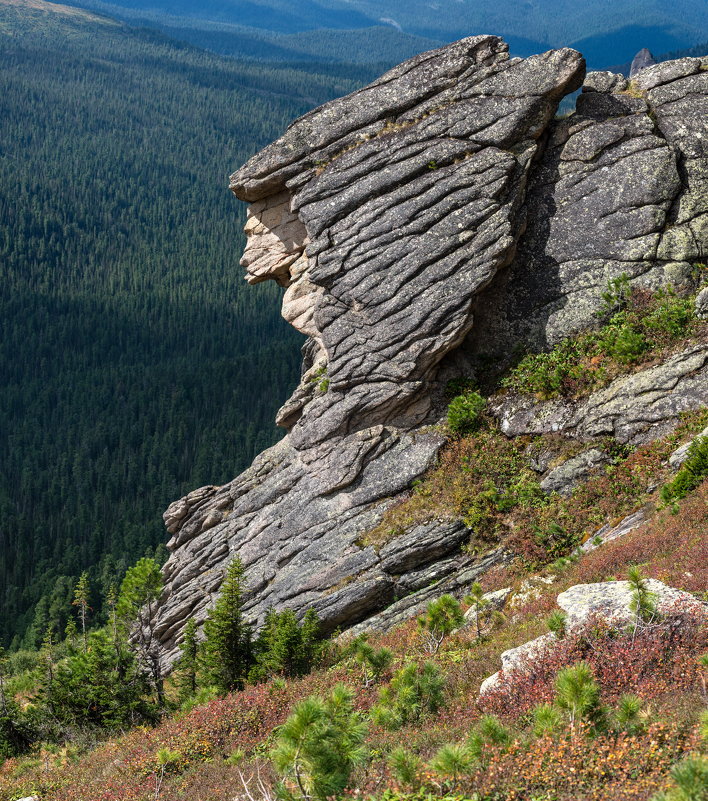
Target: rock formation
[(434, 215)]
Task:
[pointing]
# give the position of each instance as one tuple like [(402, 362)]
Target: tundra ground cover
[(217, 740)]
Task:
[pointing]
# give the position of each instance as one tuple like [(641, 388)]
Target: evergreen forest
[(136, 362)]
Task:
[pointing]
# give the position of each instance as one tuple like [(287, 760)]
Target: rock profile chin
[(435, 214)]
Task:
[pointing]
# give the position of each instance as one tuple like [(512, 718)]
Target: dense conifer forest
[(136, 363)]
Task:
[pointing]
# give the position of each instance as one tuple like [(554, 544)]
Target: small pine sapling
[(643, 603), (413, 692), (405, 768), (374, 662), (319, 745), (547, 720), (479, 603), (578, 694), (441, 618), (488, 733), (451, 762), (628, 716), (557, 622)]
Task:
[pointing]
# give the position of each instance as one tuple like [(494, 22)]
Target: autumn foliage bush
[(661, 660)]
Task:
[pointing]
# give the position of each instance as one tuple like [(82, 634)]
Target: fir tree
[(286, 647), (227, 651), (81, 602), (135, 608), (187, 664)]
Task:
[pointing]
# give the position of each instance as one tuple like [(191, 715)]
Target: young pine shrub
[(556, 623), (413, 692), (690, 778), (488, 733), (628, 716), (441, 618), (643, 603), (319, 745), (578, 694), (374, 662), (464, 414), (405, 768), (691, 473), (479, 603), (451, 762), (547, 720)]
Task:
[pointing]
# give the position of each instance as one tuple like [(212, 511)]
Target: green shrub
[(690, 781), (441, 618), (578, 694), (374, 662), (547, 374), (643, 603), (464, 414), (547, 720), (319, 745), (672, 315), (488, 732), (556, 622), (413, 692), (405, 767), (691, 473), (616, 297), (452, 761), (623, 342), (636, 322), (286, 647)]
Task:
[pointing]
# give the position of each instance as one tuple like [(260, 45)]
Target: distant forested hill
[(136, 363), (606, 33)]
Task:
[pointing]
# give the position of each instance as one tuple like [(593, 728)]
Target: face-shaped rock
[(385, 212)]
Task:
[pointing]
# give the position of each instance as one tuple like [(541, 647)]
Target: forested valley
[(136, 363)]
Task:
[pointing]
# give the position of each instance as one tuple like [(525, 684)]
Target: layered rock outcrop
[(622, 188), (436, 210)]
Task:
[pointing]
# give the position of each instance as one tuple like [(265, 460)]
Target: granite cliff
[(428, 222)]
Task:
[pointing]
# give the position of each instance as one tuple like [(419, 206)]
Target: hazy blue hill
[(608, 33), (625, 43), (136, 363)]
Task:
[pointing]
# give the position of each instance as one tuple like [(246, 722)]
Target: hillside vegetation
[(611, 712), (644, 691)]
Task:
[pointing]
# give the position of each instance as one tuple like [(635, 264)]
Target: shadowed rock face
[(622, 188), (435, 210)]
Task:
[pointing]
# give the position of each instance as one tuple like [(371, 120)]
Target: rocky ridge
[(435, 215)]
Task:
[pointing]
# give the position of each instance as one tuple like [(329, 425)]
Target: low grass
[(638, 327)]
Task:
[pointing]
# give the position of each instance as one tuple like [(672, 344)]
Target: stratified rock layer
[(434, 215)]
